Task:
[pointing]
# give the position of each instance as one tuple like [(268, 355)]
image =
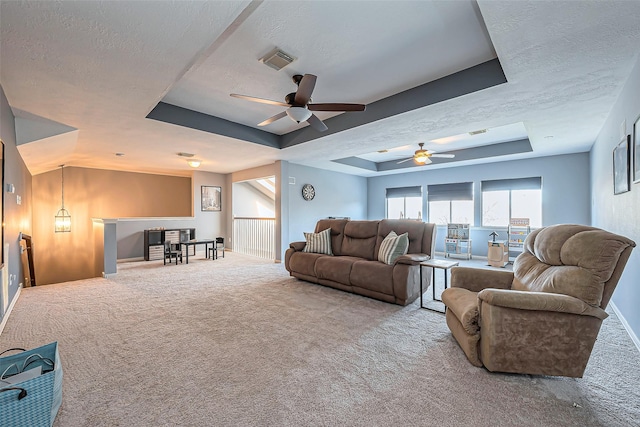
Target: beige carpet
[(237, 342)]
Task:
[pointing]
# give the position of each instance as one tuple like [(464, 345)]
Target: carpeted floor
[(237, 342)]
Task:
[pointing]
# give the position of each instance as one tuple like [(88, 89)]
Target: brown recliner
[(543, 318)]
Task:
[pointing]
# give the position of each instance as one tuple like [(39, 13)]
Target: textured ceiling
[(98, 68)]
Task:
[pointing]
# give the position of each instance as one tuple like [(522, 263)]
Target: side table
[(435, 264)]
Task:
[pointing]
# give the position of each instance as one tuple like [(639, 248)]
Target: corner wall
[(17, 217), (620, 213)]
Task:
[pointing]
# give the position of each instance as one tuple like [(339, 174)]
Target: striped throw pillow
[(318, 243), (392, 247)]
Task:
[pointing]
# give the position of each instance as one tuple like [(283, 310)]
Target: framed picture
[(211, 198), (636, 150), (621, 166)]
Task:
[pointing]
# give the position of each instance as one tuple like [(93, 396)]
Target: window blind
[(532, 183), (448, 192), (404, 192)]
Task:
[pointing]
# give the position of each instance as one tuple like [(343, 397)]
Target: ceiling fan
[(298, 103), (423, 157)]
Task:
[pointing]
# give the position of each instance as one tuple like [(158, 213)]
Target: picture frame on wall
[(636, 151), (211, 200), (621, 166)]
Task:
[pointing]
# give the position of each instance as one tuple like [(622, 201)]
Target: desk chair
[(171, 252), (219, 245)]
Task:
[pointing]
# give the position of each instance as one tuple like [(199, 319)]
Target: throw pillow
[(392, 247), (318, 243)]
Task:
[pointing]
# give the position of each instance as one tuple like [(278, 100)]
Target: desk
[(195, 242), (434, 264)]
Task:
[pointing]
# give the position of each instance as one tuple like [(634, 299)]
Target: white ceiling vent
[(277, 59)]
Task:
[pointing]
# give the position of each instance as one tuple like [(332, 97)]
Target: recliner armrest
[(412, 259), (297, 246), (477, 279), (540, 301)]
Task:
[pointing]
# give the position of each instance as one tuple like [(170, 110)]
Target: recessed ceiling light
[(186, 154), (477, 132), (194, 163), (119, 154)]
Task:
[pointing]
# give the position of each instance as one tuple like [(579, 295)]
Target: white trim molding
[(626, 325), (6, 315)]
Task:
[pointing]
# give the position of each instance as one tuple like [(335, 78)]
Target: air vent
[(383, 151), (277, 59), (186, 154), (477, 132)]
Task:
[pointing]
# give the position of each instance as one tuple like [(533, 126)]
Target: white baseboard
[(140, 258), (6, 315), (626, 325)]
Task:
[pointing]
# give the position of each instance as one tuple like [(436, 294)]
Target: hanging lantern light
[(63, 219)]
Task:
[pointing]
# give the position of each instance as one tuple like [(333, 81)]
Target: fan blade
[(444, 156), (336, 107), (305, 88), (260, 100), (273, 118), (316, 123), (405, 160)]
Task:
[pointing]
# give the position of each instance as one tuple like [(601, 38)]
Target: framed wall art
[(211, 200), (621, 166), (636, 150)]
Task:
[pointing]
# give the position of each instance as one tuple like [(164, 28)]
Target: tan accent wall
[(95, 193)]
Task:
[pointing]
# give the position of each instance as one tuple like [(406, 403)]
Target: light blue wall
[(565, 183), (620, 213), (337, 194)]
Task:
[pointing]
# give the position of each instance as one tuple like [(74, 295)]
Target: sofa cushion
[(337, 232), (392, 247), (304, 263), (360, 239), (420, 234), (318, 243), (372, 275), (573, 260), (337, 269), (464, 305)]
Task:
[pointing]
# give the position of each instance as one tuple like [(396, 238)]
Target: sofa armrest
[(412, 259), (540, 301), (297, 246), (477, 279)]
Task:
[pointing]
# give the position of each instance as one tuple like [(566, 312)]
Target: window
[(512, 198), (404, 203), (451, 203)]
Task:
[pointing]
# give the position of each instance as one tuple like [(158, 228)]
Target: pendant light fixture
[(63, 219)]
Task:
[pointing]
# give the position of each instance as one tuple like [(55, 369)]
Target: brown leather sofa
[(543, 318), (354, 265)]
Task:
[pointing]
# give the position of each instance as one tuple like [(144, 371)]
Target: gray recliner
[(543, 318)]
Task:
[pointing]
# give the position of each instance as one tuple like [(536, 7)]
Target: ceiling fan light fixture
[(421, 158), (298, 114)]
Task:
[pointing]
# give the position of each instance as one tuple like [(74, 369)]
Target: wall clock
[(308, 192)]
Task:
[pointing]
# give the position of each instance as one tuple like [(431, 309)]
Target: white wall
[(249, 202), (619, 213), (210, 224)]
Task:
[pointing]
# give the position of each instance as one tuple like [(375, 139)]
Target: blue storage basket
[(38, 408)]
